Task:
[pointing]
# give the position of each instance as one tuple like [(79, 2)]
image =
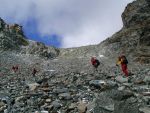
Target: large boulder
[(126, 106)]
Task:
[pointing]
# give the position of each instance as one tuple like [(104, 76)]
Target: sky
[(65, 23)]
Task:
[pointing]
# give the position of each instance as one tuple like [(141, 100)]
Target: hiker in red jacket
[(95, 62), (123, 61), (34, 71), (15, 68)]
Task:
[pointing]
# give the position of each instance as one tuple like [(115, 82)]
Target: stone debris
[(64, 80)]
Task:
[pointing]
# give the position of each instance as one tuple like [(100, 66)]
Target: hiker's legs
[(94, 69), (33, 74), (96, 66), (124, 69)]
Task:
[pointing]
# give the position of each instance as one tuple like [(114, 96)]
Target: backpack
[(125, 61), (97, 62)]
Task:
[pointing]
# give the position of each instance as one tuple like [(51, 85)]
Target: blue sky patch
[(31, 32)]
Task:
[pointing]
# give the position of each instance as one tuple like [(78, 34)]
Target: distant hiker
[(95, 62), (15, 68), (34, 71), (123, 61)]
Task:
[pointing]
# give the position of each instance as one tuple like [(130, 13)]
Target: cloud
[(78, 22)]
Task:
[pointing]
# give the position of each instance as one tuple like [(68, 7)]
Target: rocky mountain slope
[(65, 81), (133, 39), (13, 39)]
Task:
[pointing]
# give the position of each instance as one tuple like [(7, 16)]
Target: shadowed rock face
[(134, 38), (137, 14), (11, 36)]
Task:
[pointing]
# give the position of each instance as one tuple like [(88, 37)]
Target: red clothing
[(124, 69), (34, 72), (93, 61), (15, 68)]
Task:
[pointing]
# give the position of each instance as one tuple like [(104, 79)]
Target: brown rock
[(82, 108)]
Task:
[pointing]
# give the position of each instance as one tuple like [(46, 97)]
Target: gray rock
[(82, 107), (38, 48), (97, 83), (104, 103), (121, 79), (121, 88), (11, 40), (65, 96), (72, 106), (48, 100), (33, 86), (56, 104), (121, 95), (18, 99), (144, 109), (141, 88), (2, 107), (111, 84), (60, 90), (128, 84), (133, 13), (147, 79), (69, 73), (44, 112), (109, 107), (126, 106)]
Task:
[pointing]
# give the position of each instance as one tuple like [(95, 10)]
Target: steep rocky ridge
[(13, 39), (133, 39), (39, 49), (10, 38)]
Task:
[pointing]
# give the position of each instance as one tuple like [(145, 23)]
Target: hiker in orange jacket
[(123, 61)]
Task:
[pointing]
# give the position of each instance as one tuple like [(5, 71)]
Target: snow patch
[(101, 56), (51, 70)]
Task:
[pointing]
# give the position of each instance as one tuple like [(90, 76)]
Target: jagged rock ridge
[(133, 39), (12, 38)]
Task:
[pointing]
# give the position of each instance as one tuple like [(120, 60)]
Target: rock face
[(38, 48), (11, 36), (137, 13), (134, 38), (65, 81)]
